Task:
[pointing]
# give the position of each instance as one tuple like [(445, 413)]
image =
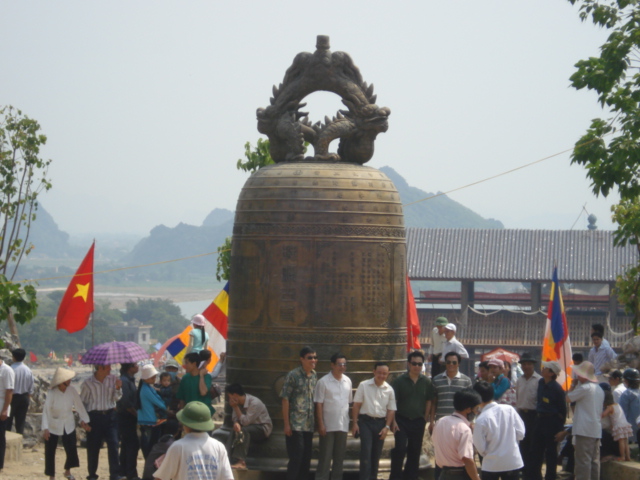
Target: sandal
[(69, 477)]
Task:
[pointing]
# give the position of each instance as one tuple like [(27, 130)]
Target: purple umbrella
[(114, 352)]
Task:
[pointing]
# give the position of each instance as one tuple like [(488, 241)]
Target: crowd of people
[(511, 419)]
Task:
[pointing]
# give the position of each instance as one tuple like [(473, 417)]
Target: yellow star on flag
[(83, 291)]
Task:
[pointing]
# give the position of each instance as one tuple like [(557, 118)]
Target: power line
[(405, 205)]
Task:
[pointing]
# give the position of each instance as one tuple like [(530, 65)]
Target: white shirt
[(618, 391), (375, 400), (498, 430), (335, 396), (7, 382), (586, 417), (453, 345), (527, 392), (436, 341), (24, 378), (57, 413), (197, 456), (100, 395)]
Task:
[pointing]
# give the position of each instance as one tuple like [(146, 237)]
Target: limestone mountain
[(164, 243), (439, 212)]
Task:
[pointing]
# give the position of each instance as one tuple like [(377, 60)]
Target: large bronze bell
[(319, 253)]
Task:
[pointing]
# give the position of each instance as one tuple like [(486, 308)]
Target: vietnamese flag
[(77, 303), (32, 357)]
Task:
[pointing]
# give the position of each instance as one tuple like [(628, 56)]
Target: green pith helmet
[(196, 415)]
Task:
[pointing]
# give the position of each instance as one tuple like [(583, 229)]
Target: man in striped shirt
[(447, 384), (99, 394)]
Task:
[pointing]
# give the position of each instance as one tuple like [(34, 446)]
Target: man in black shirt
[(551, 409)]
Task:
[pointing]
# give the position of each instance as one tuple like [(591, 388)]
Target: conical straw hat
[(61, 376)]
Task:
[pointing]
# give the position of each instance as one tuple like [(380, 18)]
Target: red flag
[(77, 303), (413, 324), (32, 357)]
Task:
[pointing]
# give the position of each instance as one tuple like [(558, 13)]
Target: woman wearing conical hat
[(58, 421)]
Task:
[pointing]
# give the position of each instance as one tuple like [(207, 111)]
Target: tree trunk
[(13, 328)]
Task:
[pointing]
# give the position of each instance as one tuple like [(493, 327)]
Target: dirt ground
[(32, 465)]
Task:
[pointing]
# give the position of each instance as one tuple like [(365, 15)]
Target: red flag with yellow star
[(77, 303)]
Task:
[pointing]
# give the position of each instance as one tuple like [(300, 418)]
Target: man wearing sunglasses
[(297, 413), (447, 384), (414, 394)]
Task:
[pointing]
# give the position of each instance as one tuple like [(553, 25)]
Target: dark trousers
[(529, 419), (453, 474), (237, 448), (19, 408), (436, 368), (3, 440), (370, 445), (408, 444), (511, 475), (544, 447), (104, 427), (149, 436), (70, 449), (129, 445), (299, 446)]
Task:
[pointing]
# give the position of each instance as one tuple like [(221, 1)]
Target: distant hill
[(48, 239), (164, 243), (217, 217), (439, 212)]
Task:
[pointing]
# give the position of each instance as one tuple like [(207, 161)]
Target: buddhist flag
[(218, 323), (177, 346), (77, 303), (216, 327), (556, 345), (413, 323)]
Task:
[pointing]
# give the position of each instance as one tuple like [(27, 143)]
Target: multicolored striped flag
[(556, 345), (216, 327)]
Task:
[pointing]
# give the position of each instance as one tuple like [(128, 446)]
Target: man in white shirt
[(599, 355), (587, 429), (197, 456), (332, 397), (452, 344), (497, 431), (7, 382), (437, 340), (22, 391), (526, 400), (374, 407)]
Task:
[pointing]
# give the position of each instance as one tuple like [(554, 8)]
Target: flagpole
[(92, 331)]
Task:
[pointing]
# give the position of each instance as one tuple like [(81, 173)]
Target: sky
[(147, 105)]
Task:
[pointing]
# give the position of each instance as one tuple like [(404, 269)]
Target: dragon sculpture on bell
[(357, 127)]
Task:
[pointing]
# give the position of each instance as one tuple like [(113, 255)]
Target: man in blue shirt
[(499, 382)]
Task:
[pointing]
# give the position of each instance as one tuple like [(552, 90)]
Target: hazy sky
[(147, 104)]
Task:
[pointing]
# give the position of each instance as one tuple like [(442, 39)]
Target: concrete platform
[(620, 471), (14, 447)]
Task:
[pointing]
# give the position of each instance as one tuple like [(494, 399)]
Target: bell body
[(318, 259)]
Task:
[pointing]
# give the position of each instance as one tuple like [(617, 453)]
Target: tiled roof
[(515, 255)]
